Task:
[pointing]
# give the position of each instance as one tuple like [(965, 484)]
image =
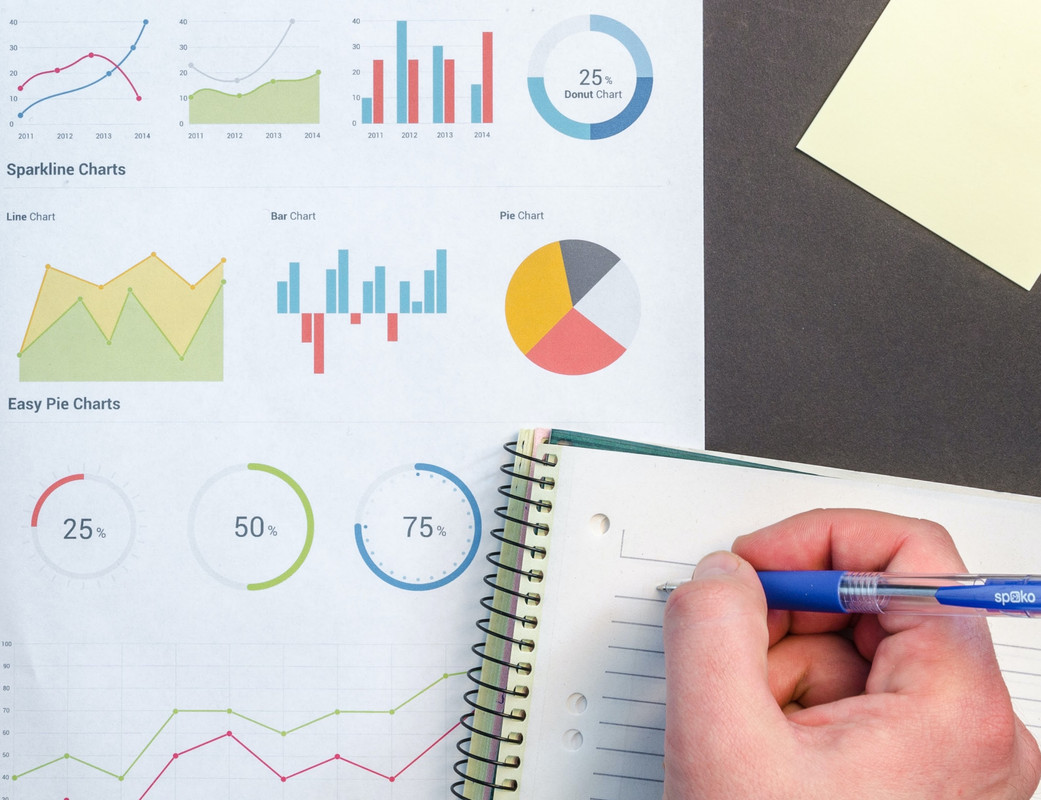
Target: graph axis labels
[(573, 307), (448, 537), (640, 92)]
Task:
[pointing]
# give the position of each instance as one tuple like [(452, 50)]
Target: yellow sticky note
[(939, 115)]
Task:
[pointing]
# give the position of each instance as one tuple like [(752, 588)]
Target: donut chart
[(418, 527), (251, 526), (573, 307), (596, 85), (83, 526)]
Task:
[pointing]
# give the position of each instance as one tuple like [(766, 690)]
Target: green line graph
[(232, 714), (278, 101), (146, 324)]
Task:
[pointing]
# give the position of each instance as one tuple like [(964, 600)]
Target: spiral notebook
[(569, 701)]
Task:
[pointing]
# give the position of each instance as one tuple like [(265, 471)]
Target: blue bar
[(283, 297), (404, 297), (402, 71), (366, 297), (330, 291), (442, 281), (342, 271), (428, 291), (417, 306), (381, 290), (294, 287), (475, 103), (439, 84), (366, 111)]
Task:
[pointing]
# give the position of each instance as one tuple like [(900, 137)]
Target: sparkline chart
[(147, 323), (378, 299)]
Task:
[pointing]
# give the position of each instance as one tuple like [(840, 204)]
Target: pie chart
[(573, 307)]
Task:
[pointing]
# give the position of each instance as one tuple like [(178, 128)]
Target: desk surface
[(838, 331)]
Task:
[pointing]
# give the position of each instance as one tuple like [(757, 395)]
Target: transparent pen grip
[(977, 595)]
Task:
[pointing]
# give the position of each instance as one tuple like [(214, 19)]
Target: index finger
[(851, 539), (847, 539)]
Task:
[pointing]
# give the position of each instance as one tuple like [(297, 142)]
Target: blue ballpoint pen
[(842, 592)]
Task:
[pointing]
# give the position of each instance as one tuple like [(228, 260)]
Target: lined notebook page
[(623, 523)]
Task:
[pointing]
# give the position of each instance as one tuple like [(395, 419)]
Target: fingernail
[(718, 563)]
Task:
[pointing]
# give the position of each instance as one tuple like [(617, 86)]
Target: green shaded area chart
[(276, 102), (146, 324)]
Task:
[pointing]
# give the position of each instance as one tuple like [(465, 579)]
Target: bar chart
[(428, 296), (427, 82)]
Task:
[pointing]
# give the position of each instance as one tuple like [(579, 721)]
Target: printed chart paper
[(257, 363)]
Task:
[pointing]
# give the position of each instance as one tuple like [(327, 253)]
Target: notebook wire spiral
[(498, 702)]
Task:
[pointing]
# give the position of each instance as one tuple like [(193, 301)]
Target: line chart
[(117, 67), (390, 778), (250, 72), (263, 64), (254, 750), (147, 323), (230, 735)]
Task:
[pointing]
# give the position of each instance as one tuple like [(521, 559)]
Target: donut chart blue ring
[(359, 538), (591, 130)]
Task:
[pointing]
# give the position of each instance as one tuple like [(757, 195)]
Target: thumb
[(718, 700)]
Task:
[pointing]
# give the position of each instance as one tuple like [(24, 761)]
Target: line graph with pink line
[(390, 737), (79, 66)]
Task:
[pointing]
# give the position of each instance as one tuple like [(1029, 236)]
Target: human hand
[(779, 704)]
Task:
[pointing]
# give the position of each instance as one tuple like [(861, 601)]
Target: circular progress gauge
[(83, 526), (418, 527), (590, 77), (251, 527)]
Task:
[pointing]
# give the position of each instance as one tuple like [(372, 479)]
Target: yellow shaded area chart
[(573, 307), (146, 324)]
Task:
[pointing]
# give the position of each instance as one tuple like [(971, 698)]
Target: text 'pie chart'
[(573, 307)]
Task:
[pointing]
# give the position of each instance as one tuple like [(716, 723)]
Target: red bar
[(413, 90), (392, 327), (449, 90), (377, 91), (305, 328), (319, 344), (486, 77), (355, 318)]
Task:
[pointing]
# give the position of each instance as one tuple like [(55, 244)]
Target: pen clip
[(1020, 596)]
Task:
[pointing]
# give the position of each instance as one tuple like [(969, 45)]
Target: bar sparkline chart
[(428, 297)]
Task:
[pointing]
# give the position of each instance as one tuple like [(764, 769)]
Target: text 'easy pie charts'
[(573, 307)]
